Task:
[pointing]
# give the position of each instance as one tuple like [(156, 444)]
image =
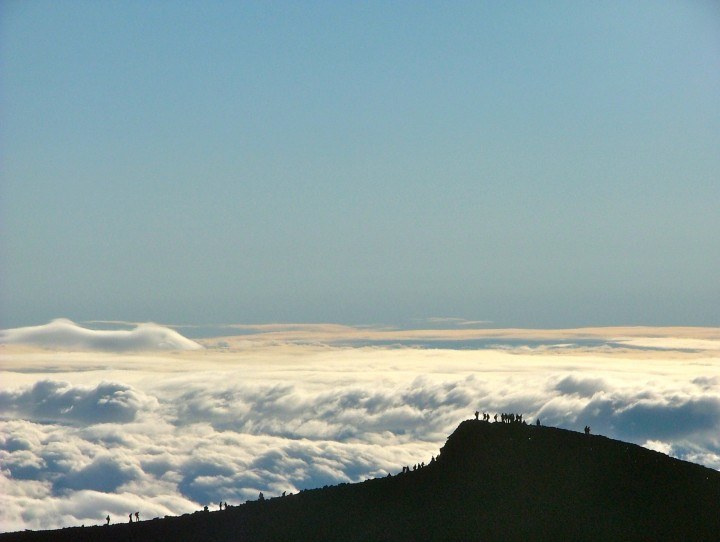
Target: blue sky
[(376, 162)]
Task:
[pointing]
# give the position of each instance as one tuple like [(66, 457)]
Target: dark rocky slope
[(492, 481)]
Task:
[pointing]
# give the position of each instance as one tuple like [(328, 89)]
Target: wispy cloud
[(453, 321), (646, 338)]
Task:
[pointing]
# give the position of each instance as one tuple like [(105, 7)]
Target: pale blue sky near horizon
[(522, 163)]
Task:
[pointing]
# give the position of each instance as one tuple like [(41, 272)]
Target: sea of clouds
[(114, 422)]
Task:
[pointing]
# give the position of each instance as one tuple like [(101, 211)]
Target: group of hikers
[(130, 517), (512, 418), (417, 466), (504, 418), (222, 504)]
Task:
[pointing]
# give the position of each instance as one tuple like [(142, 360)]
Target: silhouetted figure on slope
[(108, 520), (137, 516), (261, 497), (477, 414), (130, 516), (538, 422), (587, 429)]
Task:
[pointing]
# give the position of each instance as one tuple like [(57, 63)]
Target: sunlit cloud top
[(65, 334)]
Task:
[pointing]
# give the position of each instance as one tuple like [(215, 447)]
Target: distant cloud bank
[(63, 334)]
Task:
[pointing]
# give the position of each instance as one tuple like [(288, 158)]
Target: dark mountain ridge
[(491, 481)]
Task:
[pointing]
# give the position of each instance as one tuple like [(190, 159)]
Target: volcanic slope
[(491, 481)]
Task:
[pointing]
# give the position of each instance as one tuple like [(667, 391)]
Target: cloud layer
[(84, 435), (49, 401), (67, 335)]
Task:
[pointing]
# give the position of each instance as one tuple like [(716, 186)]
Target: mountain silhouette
[(491, 481)]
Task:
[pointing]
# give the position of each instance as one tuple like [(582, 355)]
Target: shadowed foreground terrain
[(492, 481)]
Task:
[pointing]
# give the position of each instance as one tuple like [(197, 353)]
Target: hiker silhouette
[(108, 520)]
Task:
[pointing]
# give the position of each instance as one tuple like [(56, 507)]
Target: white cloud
[(57, 401), (658, 446), (83, 435), (582, 386), (672, 343), (67, 335)]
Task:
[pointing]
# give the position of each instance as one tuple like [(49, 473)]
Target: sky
[(524, 164)]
